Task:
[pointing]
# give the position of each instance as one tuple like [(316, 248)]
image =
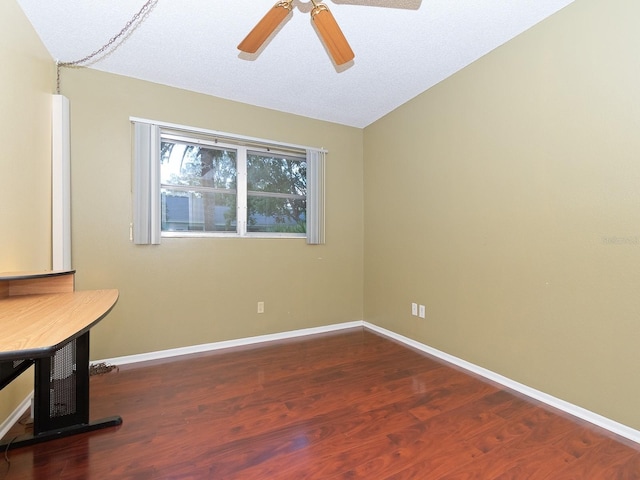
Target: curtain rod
[(224, 134)]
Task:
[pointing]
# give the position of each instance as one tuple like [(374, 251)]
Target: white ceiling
[(402, 47)]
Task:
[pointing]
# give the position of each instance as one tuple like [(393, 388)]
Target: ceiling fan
[(323, 19)]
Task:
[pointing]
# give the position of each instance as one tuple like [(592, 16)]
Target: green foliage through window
[(276, 193), (200, 190)]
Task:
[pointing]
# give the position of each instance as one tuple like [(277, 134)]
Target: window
[(276, 193), (198, 187), (201, 183)]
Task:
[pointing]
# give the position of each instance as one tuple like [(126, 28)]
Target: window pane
[(196, 165), (276, 214), (188, 210), (277, 189), (276, 174), (211, 205)]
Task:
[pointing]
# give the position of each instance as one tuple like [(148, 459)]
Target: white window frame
[(147, 136)]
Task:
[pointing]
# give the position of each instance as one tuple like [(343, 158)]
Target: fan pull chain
[(130, 26)]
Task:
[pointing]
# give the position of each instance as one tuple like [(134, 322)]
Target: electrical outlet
[(414, 309), (422, 313), (260, 307)]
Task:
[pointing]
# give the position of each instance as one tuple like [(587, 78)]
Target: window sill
[(231, 235)]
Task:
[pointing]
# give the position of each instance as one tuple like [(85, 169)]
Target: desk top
[(9, 276), (33, 326)]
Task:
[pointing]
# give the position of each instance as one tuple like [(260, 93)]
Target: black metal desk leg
[(61, 395)]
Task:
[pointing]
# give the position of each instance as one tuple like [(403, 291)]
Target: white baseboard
[(11, 420), (576, 411), (208, 347)]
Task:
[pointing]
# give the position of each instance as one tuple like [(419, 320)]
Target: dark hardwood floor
[(349, 404)]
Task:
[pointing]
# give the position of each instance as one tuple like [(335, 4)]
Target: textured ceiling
[(402, 47)]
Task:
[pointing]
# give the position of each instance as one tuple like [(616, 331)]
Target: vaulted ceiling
[(402, 47)]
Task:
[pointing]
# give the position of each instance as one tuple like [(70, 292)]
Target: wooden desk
[(44, 321)]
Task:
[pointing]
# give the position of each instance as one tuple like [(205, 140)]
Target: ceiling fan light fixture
[(266, 26), (332, 36)]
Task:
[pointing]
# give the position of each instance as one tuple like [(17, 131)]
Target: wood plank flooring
[(344, 405)]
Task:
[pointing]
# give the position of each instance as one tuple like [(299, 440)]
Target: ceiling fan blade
[(331, 34), (266, 27)]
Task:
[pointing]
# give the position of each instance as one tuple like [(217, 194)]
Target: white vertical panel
[(241, 193), (146, 184), (154, 187), (315, 197), (60, 184)]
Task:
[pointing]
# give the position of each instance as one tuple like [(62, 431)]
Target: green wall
[(190, 291), (27, 79), (506, 199)]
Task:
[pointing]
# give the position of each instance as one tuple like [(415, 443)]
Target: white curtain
[(315, 197), (146, 184)]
